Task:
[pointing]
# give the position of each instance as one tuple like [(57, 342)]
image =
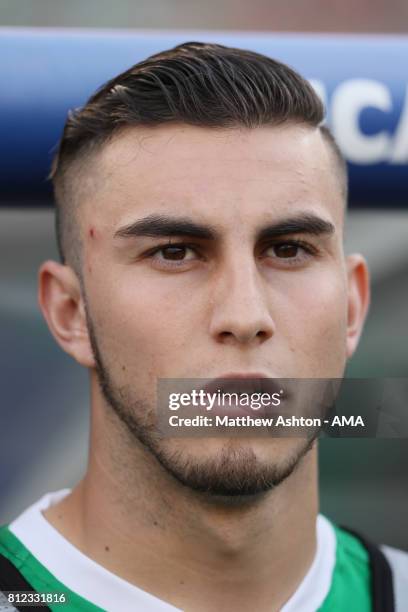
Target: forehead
[(231, 174)]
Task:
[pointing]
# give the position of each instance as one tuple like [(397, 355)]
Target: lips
[(243, 383), (240, 384)]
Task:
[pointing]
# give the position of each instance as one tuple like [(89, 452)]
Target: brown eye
[(289, 253), (174, 253), (286, 251)]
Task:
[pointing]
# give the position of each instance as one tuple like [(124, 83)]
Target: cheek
[(315, 321), (144, 329)]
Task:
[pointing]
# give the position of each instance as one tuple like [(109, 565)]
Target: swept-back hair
[(195, 83)]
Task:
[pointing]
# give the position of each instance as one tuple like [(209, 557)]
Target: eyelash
[(169, 263), (308, 249)]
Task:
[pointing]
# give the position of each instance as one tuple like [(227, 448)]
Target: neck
[(133, 518)]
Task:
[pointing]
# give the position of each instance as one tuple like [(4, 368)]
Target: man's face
[(259, 286)]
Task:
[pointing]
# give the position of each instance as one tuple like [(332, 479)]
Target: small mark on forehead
[(92, 232)]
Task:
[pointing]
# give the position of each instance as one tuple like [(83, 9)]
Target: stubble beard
[(236, 475)]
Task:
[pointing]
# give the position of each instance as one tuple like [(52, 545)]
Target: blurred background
[(266, 15), (45, 70)]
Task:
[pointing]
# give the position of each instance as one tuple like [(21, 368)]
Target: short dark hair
[(194, 83)]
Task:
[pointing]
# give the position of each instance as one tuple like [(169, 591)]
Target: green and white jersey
[(339, 578)]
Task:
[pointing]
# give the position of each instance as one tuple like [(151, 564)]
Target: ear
[(61, 302), (358, 299)]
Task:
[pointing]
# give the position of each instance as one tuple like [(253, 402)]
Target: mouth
[(243, 383), (241, 389)]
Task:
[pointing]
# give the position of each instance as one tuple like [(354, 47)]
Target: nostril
[(262, 334), (243, 336), (225, 334)]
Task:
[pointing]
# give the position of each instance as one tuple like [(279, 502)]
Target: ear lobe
[(358, 299), (61, 303)]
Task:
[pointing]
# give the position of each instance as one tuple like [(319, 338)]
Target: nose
[(241, 313)]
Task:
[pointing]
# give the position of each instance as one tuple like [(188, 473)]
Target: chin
[(231, 471)]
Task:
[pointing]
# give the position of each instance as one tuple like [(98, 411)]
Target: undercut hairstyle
[(195, 83)]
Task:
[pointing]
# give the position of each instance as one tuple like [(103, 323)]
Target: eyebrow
[(304, 223), (161, 225)]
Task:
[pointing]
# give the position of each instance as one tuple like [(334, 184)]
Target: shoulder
[(363, 556), (6, 540), (350, 548), (398, 560)]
